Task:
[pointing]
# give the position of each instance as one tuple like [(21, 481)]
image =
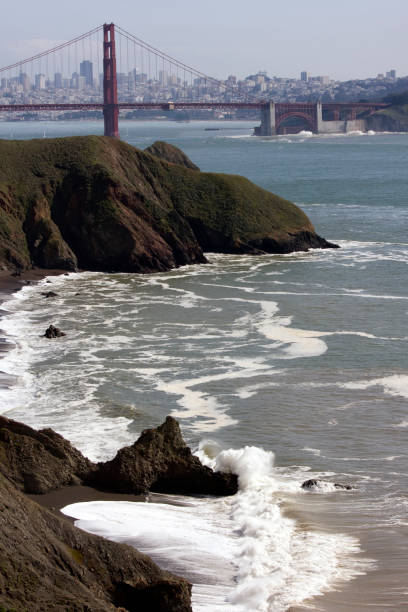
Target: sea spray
[(279, 564), (241, 553)]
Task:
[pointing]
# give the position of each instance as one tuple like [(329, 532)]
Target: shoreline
[(350, 596), (10, 284), (74, 494)]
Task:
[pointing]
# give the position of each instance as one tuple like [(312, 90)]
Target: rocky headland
[(49, 564), (391, 119), (96, 203)]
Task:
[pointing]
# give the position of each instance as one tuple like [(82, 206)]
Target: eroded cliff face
[(48, 564), (100, 204)]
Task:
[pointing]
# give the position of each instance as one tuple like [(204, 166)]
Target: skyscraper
[(40, 81), (86, 70), (25, 81), (58, 80)]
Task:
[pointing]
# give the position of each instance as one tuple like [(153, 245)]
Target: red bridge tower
[(110, 89)]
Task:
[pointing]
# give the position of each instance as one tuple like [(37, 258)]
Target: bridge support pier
[(268, 121), (319, 118), (110, 90)]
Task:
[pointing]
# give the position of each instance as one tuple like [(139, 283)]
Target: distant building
[(86, 70), (78, 81), (39, 81), (58, 80), (163, 77), (393, 74), (304, 76), (325, 80), (24, 80)]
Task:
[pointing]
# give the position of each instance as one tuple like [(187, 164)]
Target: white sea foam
[(299, 342), (396, 385), (241, 553), (208, 412), (314, 451)]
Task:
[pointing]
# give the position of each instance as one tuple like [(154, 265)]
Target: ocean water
[(279, 368)]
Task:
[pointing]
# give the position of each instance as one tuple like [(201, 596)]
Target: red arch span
[(309, 120)]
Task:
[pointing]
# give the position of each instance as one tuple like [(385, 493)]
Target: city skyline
[(349, 44)]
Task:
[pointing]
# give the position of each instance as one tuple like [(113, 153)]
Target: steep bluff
[(100, 204)]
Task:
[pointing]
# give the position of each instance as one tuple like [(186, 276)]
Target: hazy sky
[(344, 38)]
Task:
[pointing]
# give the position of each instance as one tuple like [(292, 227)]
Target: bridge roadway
[(274, 117), (330, 106)]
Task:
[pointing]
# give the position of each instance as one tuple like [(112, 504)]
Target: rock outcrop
[(314, 483), (161, 461), (48, 564), (39, 461), (54, 332), (100, 204)]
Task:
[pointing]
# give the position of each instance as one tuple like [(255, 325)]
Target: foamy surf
[(241, 553)]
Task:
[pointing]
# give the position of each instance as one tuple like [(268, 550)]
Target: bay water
[(279, 368)]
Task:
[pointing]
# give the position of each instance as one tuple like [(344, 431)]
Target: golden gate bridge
[(152, 80)]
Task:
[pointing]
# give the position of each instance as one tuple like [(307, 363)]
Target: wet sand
[(58, 499)]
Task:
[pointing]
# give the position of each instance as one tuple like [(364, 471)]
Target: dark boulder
[(312, 483), (39, 461), (53, 332), (49, 294), (161, 461)]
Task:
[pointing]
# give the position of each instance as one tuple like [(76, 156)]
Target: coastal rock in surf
[(54, 332), (49, 564), (100, 204), (49, 294), (161, 461), (39, 461), (314, 484)]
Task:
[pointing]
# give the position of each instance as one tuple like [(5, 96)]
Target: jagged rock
[(161, 461), (309, 484), (48, 564), (49, 294), (39, 461), (54, 332)]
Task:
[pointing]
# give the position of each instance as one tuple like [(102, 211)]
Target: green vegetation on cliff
[(102, 204), (394, 118)]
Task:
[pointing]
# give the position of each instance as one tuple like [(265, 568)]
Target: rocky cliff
[(391, 119), (100, 204), (48, 564)]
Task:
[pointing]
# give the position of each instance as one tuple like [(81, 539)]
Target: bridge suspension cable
[(53, 50), (170, 60)]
